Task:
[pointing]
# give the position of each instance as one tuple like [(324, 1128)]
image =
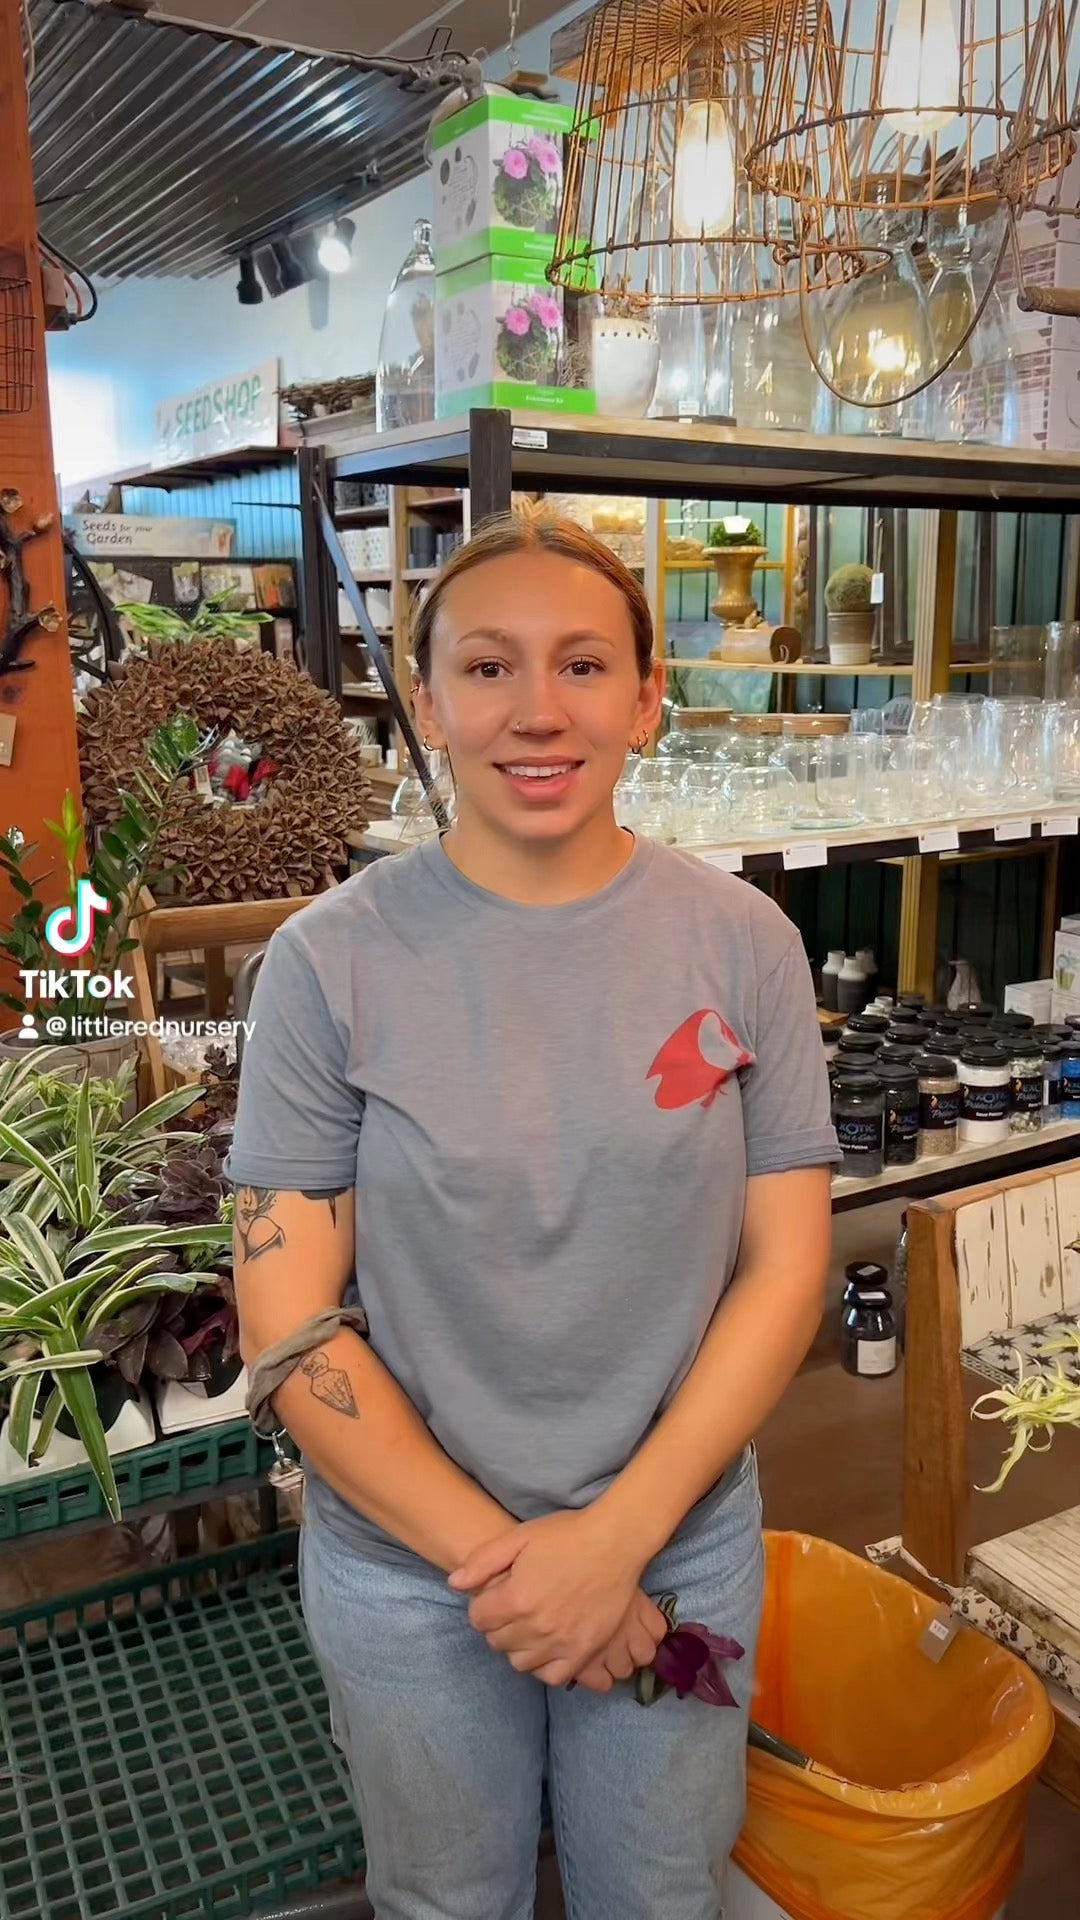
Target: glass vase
[(405, 374)]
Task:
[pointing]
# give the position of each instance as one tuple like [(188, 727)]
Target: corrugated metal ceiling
[(167, 150)]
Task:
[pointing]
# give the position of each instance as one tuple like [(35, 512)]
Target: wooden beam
[(936, 1499), (935, 598), (45, 759)]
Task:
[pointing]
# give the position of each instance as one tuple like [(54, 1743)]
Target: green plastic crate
[(189, 1463), (166, 1748)]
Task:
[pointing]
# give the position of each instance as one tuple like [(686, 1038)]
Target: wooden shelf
[(962, 1168), (419, 573), (374, 577), (791, 666), (436, 502), (354, 633), (707, 566)]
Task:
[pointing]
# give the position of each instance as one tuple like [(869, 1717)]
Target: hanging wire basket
[(1036, 175), (16, 346)]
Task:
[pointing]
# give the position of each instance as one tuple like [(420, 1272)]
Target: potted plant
[(736, 551), (625, 361), (80, 1248), (122, 862), (850, 615)]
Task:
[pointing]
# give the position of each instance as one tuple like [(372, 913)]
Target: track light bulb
[(335, 246)]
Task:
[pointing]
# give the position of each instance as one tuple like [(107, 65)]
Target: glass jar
[(858, 1112), (856, 1049), (867, 1022), (899, 1051), (1051, 1114), (405, 373), (868, 1335), (901, 1087), (1025, 1084), (697, 734), (1070, 1078), (939, 1104), (984, 1094)]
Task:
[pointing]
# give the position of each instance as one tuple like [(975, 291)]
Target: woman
[(558, 1095)]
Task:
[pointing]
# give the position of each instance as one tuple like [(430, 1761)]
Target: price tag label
[(533, 438), (805, 853), (1059, 823), (728, 859), (877, 590), (939, 840), (1013, 830)]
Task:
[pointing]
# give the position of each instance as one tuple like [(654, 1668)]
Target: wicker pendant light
[(1037, 174), (656, 193), (894, 122)]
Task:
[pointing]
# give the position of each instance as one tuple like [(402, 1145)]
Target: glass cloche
[(405, 375)]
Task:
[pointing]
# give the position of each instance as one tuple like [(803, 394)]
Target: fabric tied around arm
[(272, 1368)]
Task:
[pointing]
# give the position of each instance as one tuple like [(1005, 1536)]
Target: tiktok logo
[(70, 930)]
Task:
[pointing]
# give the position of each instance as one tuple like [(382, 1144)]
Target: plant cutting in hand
[(90, 1249), (526, 186), (689, 1661), (528, 338)]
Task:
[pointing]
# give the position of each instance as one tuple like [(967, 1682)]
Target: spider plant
[(72, 1259)]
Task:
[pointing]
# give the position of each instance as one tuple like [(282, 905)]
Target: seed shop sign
[(240, 410)]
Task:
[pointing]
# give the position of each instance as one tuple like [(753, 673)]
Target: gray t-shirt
[(550, 1114)]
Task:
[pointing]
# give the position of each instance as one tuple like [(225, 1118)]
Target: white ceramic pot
[(183, 1405), (132, 1428), (851, 637), (625, 361)]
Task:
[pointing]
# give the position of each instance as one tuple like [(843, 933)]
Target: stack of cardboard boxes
[(497, 173)]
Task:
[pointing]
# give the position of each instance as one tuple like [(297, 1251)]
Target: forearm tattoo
[(259, 1232), (330, 1384)]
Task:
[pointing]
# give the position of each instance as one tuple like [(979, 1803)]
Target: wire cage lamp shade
[(1039, 174), (656, 197)]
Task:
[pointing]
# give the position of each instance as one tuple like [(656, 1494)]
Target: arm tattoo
[(330, 1198), (330, 1384), (259, 1232)]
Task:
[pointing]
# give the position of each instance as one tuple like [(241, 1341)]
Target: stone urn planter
[(735, 567)]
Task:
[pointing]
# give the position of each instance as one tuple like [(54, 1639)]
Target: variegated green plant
[(69, 1262)]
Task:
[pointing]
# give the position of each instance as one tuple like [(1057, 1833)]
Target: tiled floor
[(830, 1464)]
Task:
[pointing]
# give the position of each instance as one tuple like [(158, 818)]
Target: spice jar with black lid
[(939, 1103), (868, 1327), (895, 1051), (1025, 1083), (917, 1000), (858, 1114), (868, 1023), (984, 1093), (901, 1087), (1052, 1052)]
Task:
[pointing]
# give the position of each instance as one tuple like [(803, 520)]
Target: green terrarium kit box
[(497, 175), (500, 340)]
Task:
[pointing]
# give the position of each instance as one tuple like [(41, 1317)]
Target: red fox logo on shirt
[(687, 1074)]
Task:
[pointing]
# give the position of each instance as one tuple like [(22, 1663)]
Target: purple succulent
[(689, 1658)]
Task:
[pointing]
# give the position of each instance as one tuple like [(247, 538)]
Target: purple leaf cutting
[(689, 1659)]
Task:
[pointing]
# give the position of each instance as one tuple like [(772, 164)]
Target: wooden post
[(934, 599), (44, 749)]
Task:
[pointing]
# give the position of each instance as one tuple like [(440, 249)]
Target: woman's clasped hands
[(561, 1598)]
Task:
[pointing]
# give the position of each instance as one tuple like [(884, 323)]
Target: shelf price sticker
[(1058, 824), (1013, 830), (805, 853), (728, 859), (939, 840), (533, 439)]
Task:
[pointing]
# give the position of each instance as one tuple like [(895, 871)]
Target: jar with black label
[(1070, 1079), (867, 1022), (1051, 1082), (895, 1051), (858, 1113), (939, 1103), (1025, 1084), (854, 1050), (984, 1094), (868, 1343), (901, 1086)]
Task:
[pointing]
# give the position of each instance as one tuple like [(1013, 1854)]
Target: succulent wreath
[(284, 843)]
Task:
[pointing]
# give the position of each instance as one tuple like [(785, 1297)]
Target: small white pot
[(132, 1428), (625, 362), (184, 1405)]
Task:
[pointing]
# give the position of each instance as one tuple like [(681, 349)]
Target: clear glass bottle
[(873, 336), (868, 1340), (405, 374), (977, 398)]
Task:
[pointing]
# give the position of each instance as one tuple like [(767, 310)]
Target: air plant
[(1035, 1406)]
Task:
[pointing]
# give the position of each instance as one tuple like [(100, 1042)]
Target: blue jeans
[(448, 1745)]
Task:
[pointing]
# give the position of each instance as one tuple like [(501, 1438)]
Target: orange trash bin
[(914, 1809)]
